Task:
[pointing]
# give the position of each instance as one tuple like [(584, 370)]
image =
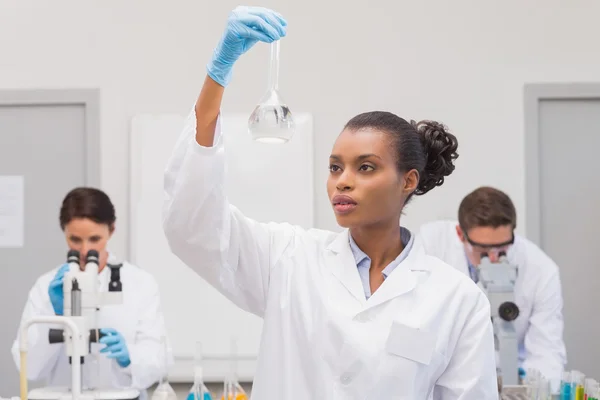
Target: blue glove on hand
[(115, 346), (245, 27), (55, 290)]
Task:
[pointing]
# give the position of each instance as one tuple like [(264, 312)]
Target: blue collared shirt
[(363, 262), (473, 271)]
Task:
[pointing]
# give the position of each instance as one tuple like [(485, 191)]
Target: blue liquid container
[(565, 386), (197, 394)]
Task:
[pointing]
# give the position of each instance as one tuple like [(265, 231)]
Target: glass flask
[(592, 390), (272, 121), (232, 390), (537, 386), (577, 385), (565, 386), (198, 390), (164, 391)]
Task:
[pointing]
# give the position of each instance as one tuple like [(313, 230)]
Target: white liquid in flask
[(272, 121)]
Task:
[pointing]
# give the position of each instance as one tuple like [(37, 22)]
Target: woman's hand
[(245, 27), (55, 290), (116, 347)]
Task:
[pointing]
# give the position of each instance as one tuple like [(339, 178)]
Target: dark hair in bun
[(425, 146)]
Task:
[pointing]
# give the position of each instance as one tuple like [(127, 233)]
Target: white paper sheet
[(12, 207)]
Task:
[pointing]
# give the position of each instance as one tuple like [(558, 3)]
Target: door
[(47, 140), (566, 219)]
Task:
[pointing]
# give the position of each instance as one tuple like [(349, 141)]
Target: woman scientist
[(363, 314), (131, 353)]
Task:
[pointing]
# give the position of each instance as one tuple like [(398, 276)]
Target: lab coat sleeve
[(42, 356), (544, 346), (233, 253), (147, 353), (471, 370)]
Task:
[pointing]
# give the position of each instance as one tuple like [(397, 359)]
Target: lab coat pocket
[(406, 361)]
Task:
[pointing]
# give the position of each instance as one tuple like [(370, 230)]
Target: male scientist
[(486, 223)]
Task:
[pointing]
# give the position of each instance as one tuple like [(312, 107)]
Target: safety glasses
[(495, 248)]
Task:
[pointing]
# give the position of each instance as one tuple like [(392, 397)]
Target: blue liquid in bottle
[(565, 391), (197, 394)]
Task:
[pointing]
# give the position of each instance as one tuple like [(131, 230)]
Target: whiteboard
[(259, 181)]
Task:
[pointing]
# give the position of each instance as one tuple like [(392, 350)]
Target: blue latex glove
[(55, 290), (245, 27), (115, 346)]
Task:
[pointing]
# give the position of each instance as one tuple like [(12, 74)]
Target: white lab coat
[(426, 329), (537, 293), (139, 319)]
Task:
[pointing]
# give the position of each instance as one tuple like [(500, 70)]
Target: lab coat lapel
[(403, 279), (343, 266)]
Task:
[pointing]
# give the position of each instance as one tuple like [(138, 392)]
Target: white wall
[(462, 62)]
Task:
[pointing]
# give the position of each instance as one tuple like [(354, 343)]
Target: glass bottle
[(232, 390), (198, 391), (164, 391)]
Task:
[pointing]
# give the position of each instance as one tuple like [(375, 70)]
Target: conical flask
[(198, 390), (272, 121), (232, 390), (164, 391)]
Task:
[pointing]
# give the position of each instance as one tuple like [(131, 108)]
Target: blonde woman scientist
[(363, 314)]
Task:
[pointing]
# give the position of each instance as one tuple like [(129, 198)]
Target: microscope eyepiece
[(92, 257), (508, 311), (73, 257)]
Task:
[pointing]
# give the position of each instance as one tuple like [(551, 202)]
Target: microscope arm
[(44, 357), (75, 367)]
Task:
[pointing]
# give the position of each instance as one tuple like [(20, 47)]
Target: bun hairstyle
[(425, 146), (440, 148)]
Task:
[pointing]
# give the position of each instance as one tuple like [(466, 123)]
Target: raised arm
[(233, 253), (245, 27)]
